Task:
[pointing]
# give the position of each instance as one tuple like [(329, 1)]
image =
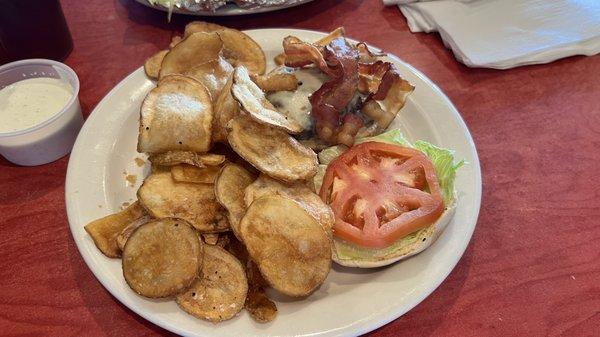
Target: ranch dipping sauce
[(32, 101)]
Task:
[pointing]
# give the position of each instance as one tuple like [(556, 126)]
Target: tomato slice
[(380, 193)]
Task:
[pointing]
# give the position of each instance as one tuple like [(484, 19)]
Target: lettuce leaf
[(442, 159)]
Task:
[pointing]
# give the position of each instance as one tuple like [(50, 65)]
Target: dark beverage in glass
[(33, 29)]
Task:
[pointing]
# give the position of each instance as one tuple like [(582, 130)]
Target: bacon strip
[(387, 92)]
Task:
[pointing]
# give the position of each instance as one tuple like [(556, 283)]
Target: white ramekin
[(52, 138)]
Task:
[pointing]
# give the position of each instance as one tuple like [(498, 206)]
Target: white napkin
[(504, 34)]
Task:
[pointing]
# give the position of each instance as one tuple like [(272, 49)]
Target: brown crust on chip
[(172, 158), (192, 174), (104, 231), (162, 258), (225, 109), (193, 50), (152, 64), (291, 249), (219, 292), (229, 190), (270, 150), (298, 192), (238, 48), (163, 197)]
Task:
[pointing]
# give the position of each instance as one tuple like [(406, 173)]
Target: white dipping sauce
[(32, 101)]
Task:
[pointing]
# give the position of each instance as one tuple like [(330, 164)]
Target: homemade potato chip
[(104, 231), (229, 190), (213, 74), (225, 109), (238, 48), (162, 258), (152, 64), (172, 158), (193, 50), (259, 306), (291, 249), (220, 291), (298, 192), (175, 41), (254, 102), (127, 231), (278, 79), (192, 174), (338, 32), (271, 150), (176, 115), (163, 197), (210, 238)]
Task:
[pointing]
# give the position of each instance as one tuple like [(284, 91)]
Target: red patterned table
[(533, 265)]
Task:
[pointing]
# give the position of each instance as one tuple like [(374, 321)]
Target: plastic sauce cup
[(53, 138)]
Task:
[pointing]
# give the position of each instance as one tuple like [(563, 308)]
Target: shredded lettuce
[(442, 159)]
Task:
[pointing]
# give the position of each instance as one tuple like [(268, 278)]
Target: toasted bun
[(373, 258)]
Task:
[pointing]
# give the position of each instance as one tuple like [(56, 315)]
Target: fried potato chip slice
[(172, 158), (298, 192), (127, 231), (259, 306), (254, 102), (291, 249), (210, 238), (238, 48), (220, 291), (193, 174), (278, 79), (162, 258), (193, 50), (334, 34), (175, 41), (176, 115), (229, 190), (163, 197), (270, 150), (213, 74), (225, 109), (104, 231), (152, 64)]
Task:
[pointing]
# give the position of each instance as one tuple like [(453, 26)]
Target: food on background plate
[(237, 197)]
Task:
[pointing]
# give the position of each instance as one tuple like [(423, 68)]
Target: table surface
[(532, 267)]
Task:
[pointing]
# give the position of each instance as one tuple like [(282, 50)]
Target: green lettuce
[(442, 159)]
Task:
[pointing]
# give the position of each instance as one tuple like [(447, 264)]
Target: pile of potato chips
[(229, 208)]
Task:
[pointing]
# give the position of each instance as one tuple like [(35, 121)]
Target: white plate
[(352, 301), (227, 10)]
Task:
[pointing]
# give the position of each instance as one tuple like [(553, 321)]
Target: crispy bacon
[(334, 95), (350, 68), (387, 92)]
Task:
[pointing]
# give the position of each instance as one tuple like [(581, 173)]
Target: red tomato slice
[(380, 193)]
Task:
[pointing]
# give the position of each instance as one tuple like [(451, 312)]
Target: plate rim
[(384, 318)]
